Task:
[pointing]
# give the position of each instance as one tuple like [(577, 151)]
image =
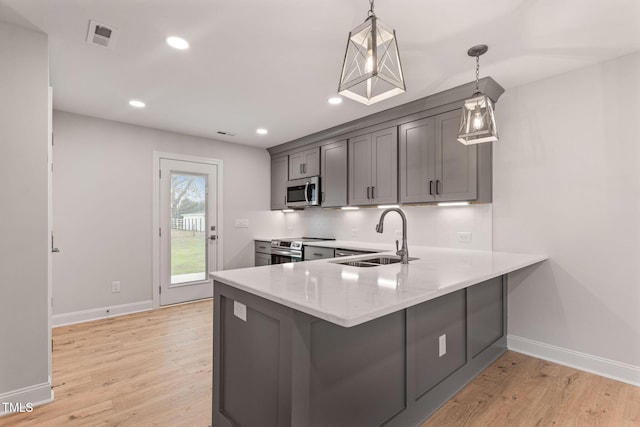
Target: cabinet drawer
[(263, 247), (316, 252)]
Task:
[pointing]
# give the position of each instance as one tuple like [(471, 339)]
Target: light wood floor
[(154, 369)]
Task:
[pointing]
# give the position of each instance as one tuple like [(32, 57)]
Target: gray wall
[(567, 183), (102, 206), (24, 83)]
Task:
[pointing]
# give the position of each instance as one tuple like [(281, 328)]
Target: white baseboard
[(34, 395), (100, 313), (618, 371)]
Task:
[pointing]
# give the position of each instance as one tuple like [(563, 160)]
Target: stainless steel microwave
[(303, 192)]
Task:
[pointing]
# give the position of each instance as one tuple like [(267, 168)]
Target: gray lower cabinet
[(281, 367), (435, 167), (317, 252), (333, 174), (279, 178), (262, 253), (373, 168)]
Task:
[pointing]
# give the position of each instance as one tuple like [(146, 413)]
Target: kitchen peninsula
[(323, 343)]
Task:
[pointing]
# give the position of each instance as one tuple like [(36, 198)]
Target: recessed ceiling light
[(335, 100), (137, 103), (177, 43), (262, 131)]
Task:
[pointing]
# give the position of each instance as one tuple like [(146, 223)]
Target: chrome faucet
[(403, 253)]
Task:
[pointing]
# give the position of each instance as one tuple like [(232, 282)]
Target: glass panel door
[(188, 227), (188, 205)]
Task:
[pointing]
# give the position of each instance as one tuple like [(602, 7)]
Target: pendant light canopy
[(477, 124), (371, 71)]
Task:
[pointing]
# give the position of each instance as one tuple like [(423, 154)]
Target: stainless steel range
[(290, 249)]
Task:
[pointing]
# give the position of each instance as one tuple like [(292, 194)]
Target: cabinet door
[(360, 170), (304, 164), (333, 174), (417, 161), (279, 176), (311, 166), (262, 259), (384, 186), (296, 160), (457, 164)]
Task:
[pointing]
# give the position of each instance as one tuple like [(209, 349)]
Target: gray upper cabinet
[(373, 168), (333, 174), (434, 166), (304, 164), (417, 161), (279, 177), (456, 163)]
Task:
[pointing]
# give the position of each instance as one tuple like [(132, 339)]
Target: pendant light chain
[(477, 73)]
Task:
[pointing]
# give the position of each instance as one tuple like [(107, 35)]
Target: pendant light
[(478, 123), (371, 71)]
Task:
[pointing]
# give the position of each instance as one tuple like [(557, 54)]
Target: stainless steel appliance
[(290, 249), (303, 192)]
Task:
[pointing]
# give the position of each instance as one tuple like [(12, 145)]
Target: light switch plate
[(464, 236), (242, 223), (240, 310)]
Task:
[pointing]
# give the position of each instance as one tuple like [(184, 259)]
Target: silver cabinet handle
[(437, 186), (431, 188), (304, 168), (368, 192), (316, 254), (372, 194), (300, 167)]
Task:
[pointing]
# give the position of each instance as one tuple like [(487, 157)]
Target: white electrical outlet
[(442, 345), (115, 287), (240, 310), (355, 232), (242, 223), (464, 236)]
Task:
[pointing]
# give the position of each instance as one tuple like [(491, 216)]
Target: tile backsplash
[(426, 225)]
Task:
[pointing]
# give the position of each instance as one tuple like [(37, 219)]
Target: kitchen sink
[(373, 261)]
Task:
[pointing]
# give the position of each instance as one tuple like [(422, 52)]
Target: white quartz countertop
[(349, 296)]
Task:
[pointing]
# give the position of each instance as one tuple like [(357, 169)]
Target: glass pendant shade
[(371, 71), (478, 123)]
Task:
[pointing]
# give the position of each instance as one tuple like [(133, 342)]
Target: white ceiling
[(274, 64)]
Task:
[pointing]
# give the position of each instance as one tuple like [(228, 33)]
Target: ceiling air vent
[(101, 35)]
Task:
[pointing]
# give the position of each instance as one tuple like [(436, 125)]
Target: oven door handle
[(306, 192), (293, 254)]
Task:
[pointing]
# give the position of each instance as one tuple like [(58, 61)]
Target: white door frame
[(155, 264)]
